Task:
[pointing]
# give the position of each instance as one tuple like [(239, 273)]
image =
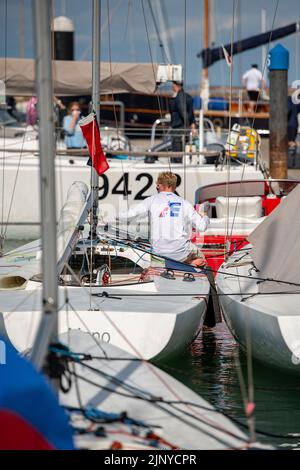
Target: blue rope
[(94, 414)]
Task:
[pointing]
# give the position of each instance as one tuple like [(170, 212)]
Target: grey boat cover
[(276, 246), (72, 78)]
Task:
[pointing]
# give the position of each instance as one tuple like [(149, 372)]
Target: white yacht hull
[(135, 319), (188, 422), (270, 322), (21, 208)]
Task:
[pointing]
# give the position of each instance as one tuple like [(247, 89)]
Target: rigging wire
[(125, 338), (68, 302), (228, 153), (104, 26), (266, 59), (249, 406), (185, 101), (153, 71), (222, 64), (112, 92), (167, 28), (203, 271), (14, 310), (156, 401), (170, 412), (146, 396), (131, 345), (164, 54), (4, 225), (194, 295), (84, 325), (184, 402), (3, 158), (79, 358), (263, 72), (297, 49), (21, 155), (249, 401), (256, 278)]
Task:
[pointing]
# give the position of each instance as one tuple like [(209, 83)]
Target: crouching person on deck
[(171, 219)]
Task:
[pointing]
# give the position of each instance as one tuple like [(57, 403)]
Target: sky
[(130, 35)]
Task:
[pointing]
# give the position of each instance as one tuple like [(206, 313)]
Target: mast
[(96, 106), (205, 78), (206, 33), (263, 22), (48, 327), (22, 30)]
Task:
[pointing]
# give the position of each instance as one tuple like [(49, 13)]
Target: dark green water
[(209, 368)]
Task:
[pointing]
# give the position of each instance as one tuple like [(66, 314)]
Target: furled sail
[(276, 246), (20, 265)]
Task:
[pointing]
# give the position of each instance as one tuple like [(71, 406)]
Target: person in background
[(182, 118), (12, 107), (31, 111), (254, 82), (171, 222), (73, 135), (292, 128), (59, 111)]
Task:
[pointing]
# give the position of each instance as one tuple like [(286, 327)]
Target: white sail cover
[(71, 78), (18, 266), (276, 246)]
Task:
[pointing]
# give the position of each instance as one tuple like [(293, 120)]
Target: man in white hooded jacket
[(171, 219)]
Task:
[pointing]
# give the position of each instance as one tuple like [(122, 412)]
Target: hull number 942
[(123, 186)]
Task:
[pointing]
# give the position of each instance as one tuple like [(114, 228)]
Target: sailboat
[(236, 209), (155, 319), (259, 289), (129, 180), (164, 310), (154, 405), (152, 312), (159, 327)]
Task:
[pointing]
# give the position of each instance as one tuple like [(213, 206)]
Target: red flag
[(90, 130)]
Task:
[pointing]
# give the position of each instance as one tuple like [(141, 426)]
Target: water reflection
[(209, 368)]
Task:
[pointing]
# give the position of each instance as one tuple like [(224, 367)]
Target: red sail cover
[(90, 130)]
